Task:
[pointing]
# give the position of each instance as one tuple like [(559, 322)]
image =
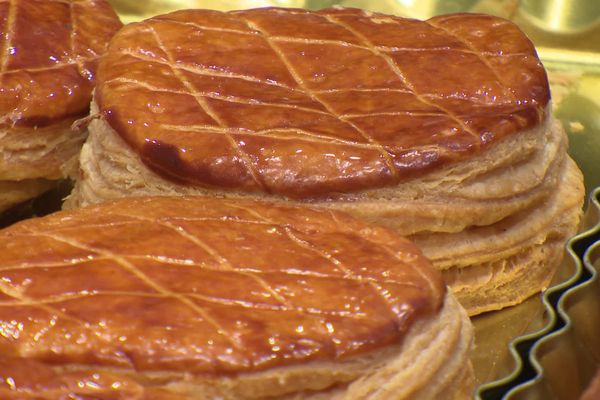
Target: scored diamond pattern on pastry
[(206, 285), (309, 104), (48, 55)]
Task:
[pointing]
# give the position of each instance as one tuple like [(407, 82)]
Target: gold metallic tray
[(559, 361), (565, 360)]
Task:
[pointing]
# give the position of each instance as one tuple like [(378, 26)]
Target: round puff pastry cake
[(48, 55), (227, 299), (439, 129)]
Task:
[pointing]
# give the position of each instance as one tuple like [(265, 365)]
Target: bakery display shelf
[(559, 361)]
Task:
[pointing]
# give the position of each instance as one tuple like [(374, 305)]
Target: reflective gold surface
[(560, 15), (568, 358), (567, 36)]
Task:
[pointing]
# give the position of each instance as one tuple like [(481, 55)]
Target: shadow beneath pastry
[(44, 204)]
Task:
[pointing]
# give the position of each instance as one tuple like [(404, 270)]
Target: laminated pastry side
[(503, 339)]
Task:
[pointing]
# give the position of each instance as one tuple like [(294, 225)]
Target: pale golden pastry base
[(534, 246), (50, 152), (32, 160)]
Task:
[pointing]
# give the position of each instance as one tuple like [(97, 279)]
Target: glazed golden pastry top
[(307, 104), (206, 285), (48, 55), (27, 379)]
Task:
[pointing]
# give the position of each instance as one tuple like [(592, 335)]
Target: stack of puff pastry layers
[(205, 298), (439, 129), (49, 51)]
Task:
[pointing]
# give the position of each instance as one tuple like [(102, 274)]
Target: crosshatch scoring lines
[(426, 99), (307, 99), (72, 59), (125, 261), (341, 43), (299, 134), (210, 112), (291, 69), (323, 253), (401, 75), (211, 72), (481, 57)]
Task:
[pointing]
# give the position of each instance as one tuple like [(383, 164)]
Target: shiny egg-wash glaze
[(168, 292), (310, 104), (50, 51), (256, 311), (27, 379)]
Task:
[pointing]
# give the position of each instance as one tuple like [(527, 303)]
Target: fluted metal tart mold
[(558, 361)]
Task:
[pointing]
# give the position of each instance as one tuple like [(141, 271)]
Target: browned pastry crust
[(49, 51), (310, 104), (217, 298), (47, 72), (495, 226)]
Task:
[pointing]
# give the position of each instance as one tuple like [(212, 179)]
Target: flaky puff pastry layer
[(480, 221), (214, 298), (12, 193)]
